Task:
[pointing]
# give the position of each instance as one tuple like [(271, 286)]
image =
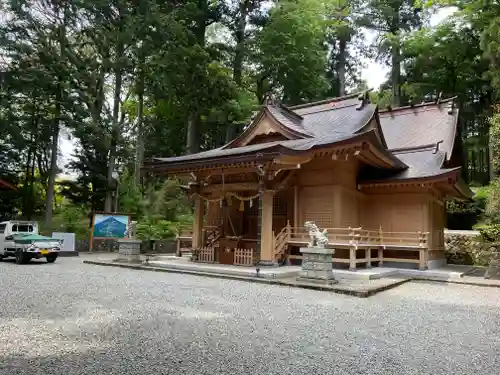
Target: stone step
[(187, 254)]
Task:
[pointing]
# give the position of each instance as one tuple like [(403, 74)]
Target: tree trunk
[(57, 119), (28, 182), (115, 132), (139, 150), (31, 195), (53, 161), (193, 120), (192, 145), (239, 55), (341, 66), (396, 74)]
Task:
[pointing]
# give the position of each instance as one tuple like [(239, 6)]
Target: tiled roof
[(419, 138), (422, 163), (323, 124), (420, 125)]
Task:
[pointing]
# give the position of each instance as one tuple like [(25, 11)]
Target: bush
[(150, 229), (491, 232)]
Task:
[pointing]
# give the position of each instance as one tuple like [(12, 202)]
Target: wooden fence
[(244, 257), (206, 255)]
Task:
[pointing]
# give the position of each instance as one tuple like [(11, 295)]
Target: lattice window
[(318, 206), (214, 214), (279, 205)]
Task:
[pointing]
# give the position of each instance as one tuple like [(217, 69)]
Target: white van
[(37, 248)]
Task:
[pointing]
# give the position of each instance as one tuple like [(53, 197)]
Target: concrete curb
[(460, 282), (368, 292)]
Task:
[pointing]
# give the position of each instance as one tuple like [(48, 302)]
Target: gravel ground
[(71, 318)]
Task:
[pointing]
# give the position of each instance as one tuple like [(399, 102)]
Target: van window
[(24, 228), (2, 228)]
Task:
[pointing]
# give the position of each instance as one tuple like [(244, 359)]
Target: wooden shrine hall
[(376, 180)]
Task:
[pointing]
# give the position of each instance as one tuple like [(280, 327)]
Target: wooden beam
[(240, 186), (293, 159), (286, 181)]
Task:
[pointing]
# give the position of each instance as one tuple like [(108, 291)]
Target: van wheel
[(51, 258), (20, 258)]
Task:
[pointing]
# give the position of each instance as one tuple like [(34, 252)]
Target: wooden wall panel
[(317, 204), (395, 212), (349, 208), (325, 171)]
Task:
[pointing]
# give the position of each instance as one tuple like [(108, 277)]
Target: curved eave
[(285, 130), (366, 146), (379, 130), (246, 160), (379, 151), (449, 152), (462, 189), (457, 188)]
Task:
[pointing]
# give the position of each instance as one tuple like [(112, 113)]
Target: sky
[(374, 73)]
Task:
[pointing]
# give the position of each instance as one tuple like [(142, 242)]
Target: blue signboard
[(111, 225)]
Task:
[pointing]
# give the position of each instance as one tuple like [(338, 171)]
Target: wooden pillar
[(352, 258), (267, 239), (422, 259), (368, 256), (423, 252), (198, 223), (296, 206)]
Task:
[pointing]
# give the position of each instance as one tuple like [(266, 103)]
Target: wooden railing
[(281, 242), (355, 239), (244, 257), (358, 237)]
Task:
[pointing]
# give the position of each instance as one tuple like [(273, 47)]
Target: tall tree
[(391, 19), (291, 54)]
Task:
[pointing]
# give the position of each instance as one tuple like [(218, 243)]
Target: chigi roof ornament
[(271, 100), (364, 99), (452, 107)]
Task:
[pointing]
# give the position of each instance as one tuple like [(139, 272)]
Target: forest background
[(126, 80)]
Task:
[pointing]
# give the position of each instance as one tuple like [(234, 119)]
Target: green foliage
[(476, 205), (63, 63), (291, 51), (495, 139), (491, 232), (492, 212), (149, 229)]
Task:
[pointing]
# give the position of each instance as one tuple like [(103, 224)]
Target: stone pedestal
[(317, 265), (129, 251)]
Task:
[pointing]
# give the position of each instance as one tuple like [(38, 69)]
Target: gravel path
[(71, 318)]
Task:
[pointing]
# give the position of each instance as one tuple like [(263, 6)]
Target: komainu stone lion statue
[(317, 238)]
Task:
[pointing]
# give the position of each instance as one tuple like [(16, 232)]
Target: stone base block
[(317, 265), (267, 263), (129, 251)]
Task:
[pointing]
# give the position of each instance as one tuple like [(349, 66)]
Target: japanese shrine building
[(377, 180)]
